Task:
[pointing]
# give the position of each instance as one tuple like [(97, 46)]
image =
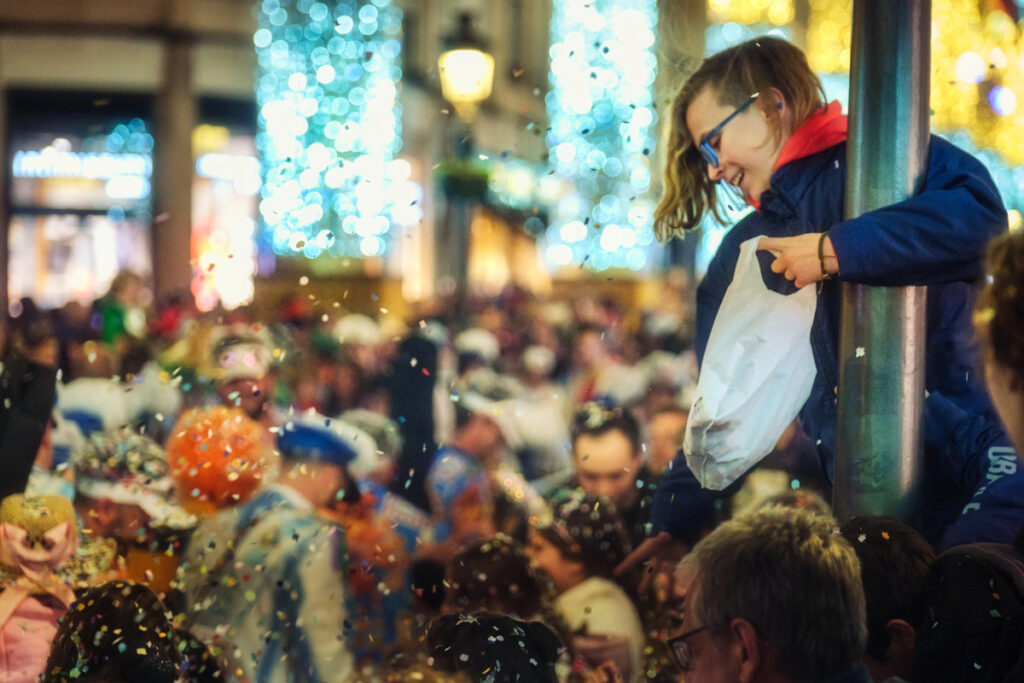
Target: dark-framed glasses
[(681, 650), (707, 150)]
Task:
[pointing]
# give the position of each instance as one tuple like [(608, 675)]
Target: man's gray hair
[(796, 581)]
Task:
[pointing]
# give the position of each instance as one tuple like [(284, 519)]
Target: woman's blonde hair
[(735, 74)]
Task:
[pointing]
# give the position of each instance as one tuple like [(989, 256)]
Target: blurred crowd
[(331, 496)]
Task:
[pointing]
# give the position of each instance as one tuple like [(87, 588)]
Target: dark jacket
[(27, 394), (858, 675), (975, 453), (935, 238)]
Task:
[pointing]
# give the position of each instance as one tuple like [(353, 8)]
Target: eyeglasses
[(706, 149), (681, 651)]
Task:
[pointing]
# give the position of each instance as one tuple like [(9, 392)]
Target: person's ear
[(902, 636), (773, 98), (748, 648)]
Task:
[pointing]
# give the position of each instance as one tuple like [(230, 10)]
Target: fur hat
[(94, 404)]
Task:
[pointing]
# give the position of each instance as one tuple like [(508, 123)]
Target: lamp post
[(466, 69), (467, 74)]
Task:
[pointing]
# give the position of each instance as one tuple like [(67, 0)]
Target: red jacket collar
[(821, 131)]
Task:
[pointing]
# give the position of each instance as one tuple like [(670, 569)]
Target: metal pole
[(176, 119), (882, 331)]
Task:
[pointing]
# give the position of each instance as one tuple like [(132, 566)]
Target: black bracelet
[(825, 275)]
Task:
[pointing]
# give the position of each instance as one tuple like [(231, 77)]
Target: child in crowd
[(494, 648), (121, 631), (494, 575), (577, 548)]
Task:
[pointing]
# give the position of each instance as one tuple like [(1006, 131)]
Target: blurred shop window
[(80, 190), (225, 196)]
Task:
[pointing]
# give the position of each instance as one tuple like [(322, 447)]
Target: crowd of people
[(328, 496), (305, 498)]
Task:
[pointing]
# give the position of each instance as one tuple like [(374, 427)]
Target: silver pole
[(882, 331)]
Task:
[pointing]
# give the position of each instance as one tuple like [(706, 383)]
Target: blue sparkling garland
[(601, 110), (330, 127)]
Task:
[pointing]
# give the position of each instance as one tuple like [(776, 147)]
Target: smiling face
[(545, 556), (747, 148)]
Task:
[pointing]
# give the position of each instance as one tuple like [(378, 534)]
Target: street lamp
[(467, 74), (466, 69)]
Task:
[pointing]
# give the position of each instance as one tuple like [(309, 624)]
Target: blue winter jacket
[(975, 453), (935, 238)]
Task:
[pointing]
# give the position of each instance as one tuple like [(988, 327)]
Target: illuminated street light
[(466, 69)]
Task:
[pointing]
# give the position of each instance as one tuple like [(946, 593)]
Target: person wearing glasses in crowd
[(753, 121), (772, 595)]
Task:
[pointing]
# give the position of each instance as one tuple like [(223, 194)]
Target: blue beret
[(312, 442)]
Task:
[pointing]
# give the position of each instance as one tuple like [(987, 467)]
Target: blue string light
[(601, 110), (330, 127)]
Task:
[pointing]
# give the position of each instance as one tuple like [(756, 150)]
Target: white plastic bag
[(757, 373)]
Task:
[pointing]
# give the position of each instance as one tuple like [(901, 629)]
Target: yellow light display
[(977, 66), (828, 35), (777, 12)]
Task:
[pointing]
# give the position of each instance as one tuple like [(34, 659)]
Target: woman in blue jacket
[(754, 116)]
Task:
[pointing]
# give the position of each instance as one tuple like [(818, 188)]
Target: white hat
[(131, 469), (539, 359), (356, 328), (625, 384), (485, 392), (670, 369), (434, 331), (94, 404), (384, 434), (507, 414), (479, 341), (153, 500)]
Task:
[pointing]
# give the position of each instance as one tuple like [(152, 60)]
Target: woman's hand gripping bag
[(757, 373)]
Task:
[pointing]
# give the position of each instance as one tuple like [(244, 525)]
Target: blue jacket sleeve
[(680, 506), (965, 442), (976, 454), (938, 235)]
